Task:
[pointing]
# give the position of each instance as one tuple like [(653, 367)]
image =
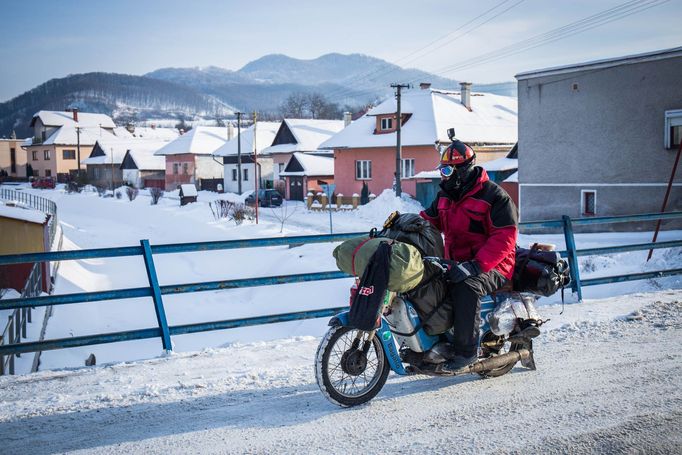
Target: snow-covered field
[(607, 369)]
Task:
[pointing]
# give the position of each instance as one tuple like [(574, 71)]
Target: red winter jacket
[(482, 225)]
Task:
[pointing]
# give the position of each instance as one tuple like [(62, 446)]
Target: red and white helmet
[(457, 154)]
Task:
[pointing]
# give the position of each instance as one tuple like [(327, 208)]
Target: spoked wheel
[(493, 345), (350, 366)]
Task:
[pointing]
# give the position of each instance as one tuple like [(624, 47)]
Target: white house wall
[(207, 168)]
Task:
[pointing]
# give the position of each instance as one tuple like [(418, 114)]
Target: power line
[(374, 74), (596, 20)]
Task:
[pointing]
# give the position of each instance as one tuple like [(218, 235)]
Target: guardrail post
[(156, 295), (572, 257)]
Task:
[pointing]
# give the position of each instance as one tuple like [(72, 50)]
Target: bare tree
[(282, 214), (295, 106), (156, 194)]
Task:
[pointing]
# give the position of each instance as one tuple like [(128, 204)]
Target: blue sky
[(40, 40)]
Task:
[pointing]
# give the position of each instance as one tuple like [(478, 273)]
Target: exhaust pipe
[(500, 361)]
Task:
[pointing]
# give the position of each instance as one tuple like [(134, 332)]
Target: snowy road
[(607, 380)]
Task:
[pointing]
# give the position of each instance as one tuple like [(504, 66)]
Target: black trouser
[(465, 300)]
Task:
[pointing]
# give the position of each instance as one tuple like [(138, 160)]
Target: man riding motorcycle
[(480, 225)]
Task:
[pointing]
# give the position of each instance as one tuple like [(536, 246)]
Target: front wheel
[(350, 366)]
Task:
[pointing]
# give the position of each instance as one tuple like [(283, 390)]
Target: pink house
[(189, 158), (365, 151)]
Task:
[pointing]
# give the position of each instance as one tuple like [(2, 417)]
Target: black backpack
[(539, 272)]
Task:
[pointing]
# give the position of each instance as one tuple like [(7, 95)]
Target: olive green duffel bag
[(406, 267)]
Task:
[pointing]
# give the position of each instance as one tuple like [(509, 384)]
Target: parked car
[(43, 183), (266, 198)]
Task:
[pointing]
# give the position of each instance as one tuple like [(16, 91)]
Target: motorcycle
[(352, 366)]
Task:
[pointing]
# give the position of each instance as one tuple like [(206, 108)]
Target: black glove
[(460, 271)]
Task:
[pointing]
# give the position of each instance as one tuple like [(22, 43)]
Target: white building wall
[(207, 168)]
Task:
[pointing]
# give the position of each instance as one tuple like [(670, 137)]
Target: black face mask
[(460, 181)]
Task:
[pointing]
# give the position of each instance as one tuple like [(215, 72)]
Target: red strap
[(355, 251)]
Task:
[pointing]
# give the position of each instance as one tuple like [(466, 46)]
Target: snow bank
[(386, 203)]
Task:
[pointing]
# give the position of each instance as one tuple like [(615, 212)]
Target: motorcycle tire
[(340, 372)]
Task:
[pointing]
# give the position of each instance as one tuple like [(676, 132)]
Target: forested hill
[(124, 97)]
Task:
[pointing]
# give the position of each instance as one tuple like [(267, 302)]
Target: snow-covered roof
[(163, 134), (22, 213), (62, 118), (501, 164), (265, 134), (188, 189), (146, 160), (115, 150), (313, 165), (200, 140), (492, 120), (514, 178), (68, 135), (426, 175), (309, 135), (604, 63)]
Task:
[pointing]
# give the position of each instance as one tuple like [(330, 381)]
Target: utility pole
[(398, 146), (78, 148), (112, 170), (255, 162), (239, 151)]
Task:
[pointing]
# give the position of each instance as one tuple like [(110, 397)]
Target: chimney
[(347, 118), (75, 114), (230, 130), (466, 94), (425, 85)]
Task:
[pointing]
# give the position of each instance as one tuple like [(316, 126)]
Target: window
[(69, 154), (281, 167), (48, 173), (46, 154), (234, 175), (363, 170), (185, 168), (407, 168), (13, 160), (95, 172), (176, 168), (673, 128), (588, 204), (386, 123), (246, 174), (34, 155)]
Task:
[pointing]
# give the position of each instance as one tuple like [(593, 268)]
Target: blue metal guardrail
[(156, 291)]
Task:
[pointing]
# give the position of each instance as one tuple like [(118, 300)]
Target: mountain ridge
[(350, 80)]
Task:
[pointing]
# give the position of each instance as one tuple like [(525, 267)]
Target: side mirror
[(451, 133)]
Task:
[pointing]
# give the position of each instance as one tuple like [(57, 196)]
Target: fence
[(16, 324), (155, 291)]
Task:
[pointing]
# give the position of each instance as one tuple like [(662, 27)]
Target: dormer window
[(387, 123)]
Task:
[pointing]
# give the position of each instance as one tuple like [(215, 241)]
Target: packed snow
[(607, 375)]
